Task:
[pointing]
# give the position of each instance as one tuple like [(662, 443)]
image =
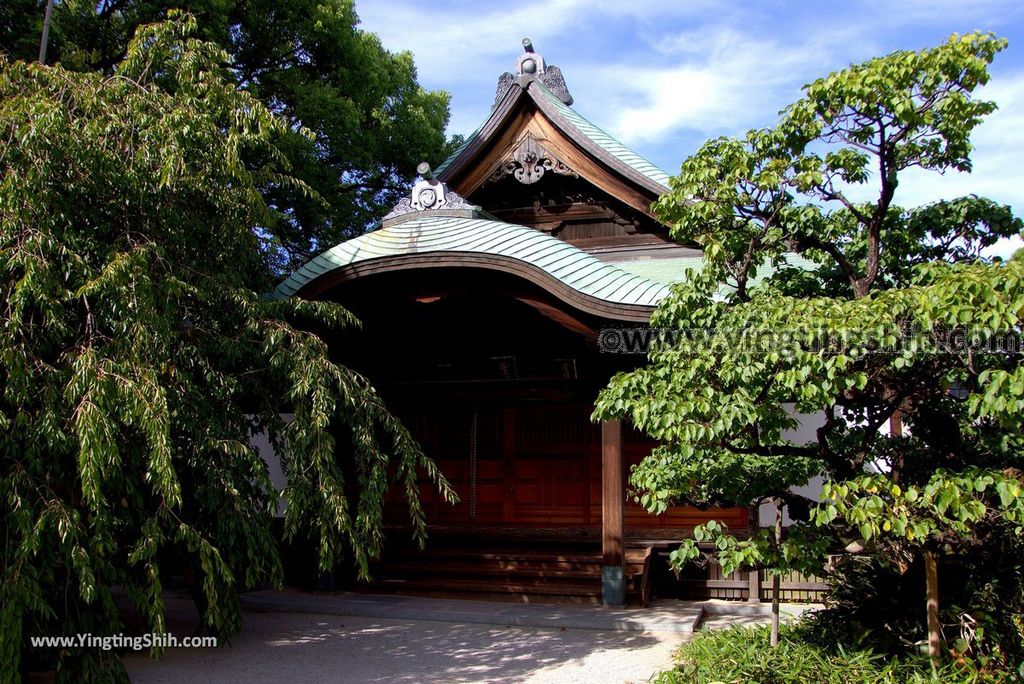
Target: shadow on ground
[(288, 647)]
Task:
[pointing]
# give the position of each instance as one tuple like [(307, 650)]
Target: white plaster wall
[(266, 450), (804, 433)]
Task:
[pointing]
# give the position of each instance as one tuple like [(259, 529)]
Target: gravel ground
[(290, 648)]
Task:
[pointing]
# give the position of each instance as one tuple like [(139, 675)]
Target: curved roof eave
[(429, 241)]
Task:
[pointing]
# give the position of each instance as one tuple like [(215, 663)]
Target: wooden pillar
[(613, 501), (754, 586)]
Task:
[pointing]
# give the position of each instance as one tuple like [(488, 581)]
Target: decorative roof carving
[(528, 161), (552, 78), (429, 194), (531, 66)]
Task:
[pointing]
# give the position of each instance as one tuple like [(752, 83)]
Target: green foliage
[(802, 550), (902, 317), (741, 198), (308, 62), (742, 656), (948, 504), (875, 605), (137, 362)]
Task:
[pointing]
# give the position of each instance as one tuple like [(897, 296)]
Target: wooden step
[(551, 574), (536, 558), (413, 569), (476, 586)]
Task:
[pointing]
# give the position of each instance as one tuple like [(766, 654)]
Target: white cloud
[(466, 50), (447, 44), (997, 170), (660, 72), (709, 87)]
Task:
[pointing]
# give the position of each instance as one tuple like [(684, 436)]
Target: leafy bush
[(742, 655), (877, 605)]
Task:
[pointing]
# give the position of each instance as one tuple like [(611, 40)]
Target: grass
[(742, 655)]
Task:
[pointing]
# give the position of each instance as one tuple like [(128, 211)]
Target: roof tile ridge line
[(547, 102), (508, 232), (610, 158), (551, 244), (641, 281), (343, 253), (514, 246), (312, 264), (581, 265), (555, 249), (604, 270), (560, 243), (497, 115), (428, 223), (318, 267), (347, 247), (605, 266), (657, 288), (546, 241), (542, 245), (591, 262), (559, 104), (338, 249), (437, 229), (599, 274), (561, 256), (614, 280)]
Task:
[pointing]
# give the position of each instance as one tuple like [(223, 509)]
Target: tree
[(900, 318), (309, 63), (137, 362)]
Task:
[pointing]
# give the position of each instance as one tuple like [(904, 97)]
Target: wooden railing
[(744, 586)]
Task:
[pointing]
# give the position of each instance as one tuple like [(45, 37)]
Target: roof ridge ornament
[(530, 66), (529, 62), (528, 161), (429, 194)]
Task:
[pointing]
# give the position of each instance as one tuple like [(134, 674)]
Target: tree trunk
[(44, 40), (776, 577), (931, 573)]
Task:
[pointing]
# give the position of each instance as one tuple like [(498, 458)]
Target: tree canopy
[(137, 361), (308, 62), (900, 317)]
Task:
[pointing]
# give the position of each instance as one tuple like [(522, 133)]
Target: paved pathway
[(293, 637), (661, 616), (288, 648)]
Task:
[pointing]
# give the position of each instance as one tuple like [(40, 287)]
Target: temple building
[(483, 296)]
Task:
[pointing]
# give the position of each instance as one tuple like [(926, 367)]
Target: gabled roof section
[(427, 240), (602, 141), (525, 92)]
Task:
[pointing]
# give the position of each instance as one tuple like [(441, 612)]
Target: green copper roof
[(580, 129), (673, 270), (432, 234), (667, 271), (603, 140)]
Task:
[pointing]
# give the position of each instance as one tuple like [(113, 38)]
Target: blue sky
[(663, 75)]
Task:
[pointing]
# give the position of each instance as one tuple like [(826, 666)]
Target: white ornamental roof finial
[(429, 194)]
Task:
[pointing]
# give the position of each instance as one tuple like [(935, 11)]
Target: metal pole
[(46, 32)]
